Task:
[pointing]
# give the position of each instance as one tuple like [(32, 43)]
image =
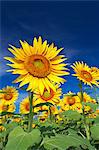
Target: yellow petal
[(41, 86), (50, 84)]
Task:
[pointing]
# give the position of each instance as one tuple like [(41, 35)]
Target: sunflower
[(70, 101), (92, 115), (95, 69), (54, 110), (48, 96), (87, 109), (43, 117), (9, 95), (86, 98), (17, 119), (37, 65), (11, 108), (84, 73), (2, 119), (7, 108), (25, 106), (2, 128)]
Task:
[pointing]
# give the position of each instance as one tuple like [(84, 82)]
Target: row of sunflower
[(40, 68)]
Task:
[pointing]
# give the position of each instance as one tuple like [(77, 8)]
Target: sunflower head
[(84, 73), (7, 108), (69, 101), (43, 117), (38, 65), (95, 69), (54, 110), (17, 119), (9, 95), (86, 97), (48, 95), (87, 109), (25, 106), (2, 128), (92, 115)]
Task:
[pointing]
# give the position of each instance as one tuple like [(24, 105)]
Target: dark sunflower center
[(86, 75), (47, 95), (5, 108), (37, 65), (8, 96), (84, 99), (71, 100), (27, 107)]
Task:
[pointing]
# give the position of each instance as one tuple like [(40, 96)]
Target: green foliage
[(95, 131), (93, 106), (72, 115), (96, 120), (20, 140), (9, 127), (63, 142)]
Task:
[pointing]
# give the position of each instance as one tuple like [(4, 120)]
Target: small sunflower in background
[(9, 95), (17, 119), (43, 117), (11, 108), (38, 65), (2, 128), (48, 96), (95, 69), (7, 108), (87, 109), (86, 97), (86, 74), (25, 106), (69, 102), (54, 110)]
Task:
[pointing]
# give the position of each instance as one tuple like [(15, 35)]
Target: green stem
[(82, 135), (30, 113), (50, 113), (86, 126), (81, 91), (87, 131)]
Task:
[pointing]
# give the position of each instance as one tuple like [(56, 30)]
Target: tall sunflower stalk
[(89, 76), (31, 112), (86, 126)]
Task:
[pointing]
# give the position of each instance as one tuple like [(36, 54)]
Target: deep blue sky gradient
[(72, 25)]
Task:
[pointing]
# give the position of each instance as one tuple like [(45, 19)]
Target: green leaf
[(72, 115), (96, 120), (93, 106), (63, 142), (95, 132), (71, 131), (9, 128), (20, 140)]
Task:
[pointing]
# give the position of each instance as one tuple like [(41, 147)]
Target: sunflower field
[(48, 119)]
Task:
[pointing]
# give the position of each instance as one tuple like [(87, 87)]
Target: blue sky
[(72, 25)]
